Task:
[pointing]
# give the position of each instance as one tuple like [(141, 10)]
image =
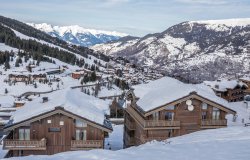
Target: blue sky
[(135, 17)]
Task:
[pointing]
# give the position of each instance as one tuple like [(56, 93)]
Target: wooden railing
[(161, 123), (130, 125), (214, 122), (148, 139), (151, 123), (86, 144), (24, 144)]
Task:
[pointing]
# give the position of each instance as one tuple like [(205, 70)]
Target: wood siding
[(60, 141), (136, 132)]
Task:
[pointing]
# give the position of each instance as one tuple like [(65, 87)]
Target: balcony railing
[(161, 123), (86, 144), (24, 144), (157, 138), (151, 123), (214, 122)]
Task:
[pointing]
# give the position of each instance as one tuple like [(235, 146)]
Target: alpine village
[(65, 96)]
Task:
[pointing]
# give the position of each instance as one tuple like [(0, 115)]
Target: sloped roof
[(223, 85), (166, 90), (71, 100)]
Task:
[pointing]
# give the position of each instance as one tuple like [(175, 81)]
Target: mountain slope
[(78, 35), (193, 51)]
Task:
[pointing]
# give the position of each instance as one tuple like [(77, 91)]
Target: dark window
[(54, 129), (169, 116), (204, 115)]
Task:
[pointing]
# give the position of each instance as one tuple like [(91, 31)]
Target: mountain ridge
[(74, 34), (191, 48)]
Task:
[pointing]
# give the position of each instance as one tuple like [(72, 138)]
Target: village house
[(230, 90), (77, 75), (18, 78), (167, 108), (246, 80), (22, 77), (66, 120)]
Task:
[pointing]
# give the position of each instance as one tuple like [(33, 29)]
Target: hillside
[(207, 49), (78, 35)]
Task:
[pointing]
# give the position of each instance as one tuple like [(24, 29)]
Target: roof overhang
[(191, 95), (57, 110)]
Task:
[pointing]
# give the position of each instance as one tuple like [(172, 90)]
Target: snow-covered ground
[(231, 143), (115, 139)]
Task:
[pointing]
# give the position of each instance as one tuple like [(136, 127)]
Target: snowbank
[(219, 144)]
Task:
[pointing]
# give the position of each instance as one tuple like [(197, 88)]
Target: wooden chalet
[(19, 78), (77, 75), (230, 90), (27, 77), (72, 124), (174, 109), (246, 80), (19, 104)]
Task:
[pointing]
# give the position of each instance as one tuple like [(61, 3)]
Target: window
[(81, 134), (156, 116), (170, 108), (204, 106), (204, 115), (169, 116), (24, 134), (216, 114), (54, 129), (61, 123), (49, 121), (80, 123)]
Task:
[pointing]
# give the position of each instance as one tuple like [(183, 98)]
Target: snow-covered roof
[(223, 85), (245, 78), (6, 101), (71, 100), (166, 90)]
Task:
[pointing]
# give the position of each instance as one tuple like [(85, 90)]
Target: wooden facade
[(54, 132), (173, 119), (247, 82)]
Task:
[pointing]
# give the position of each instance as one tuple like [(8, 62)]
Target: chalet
[(167, 108), (22, 77), (67, 121), (77, 75), (39, 77), (246, 80), (19, 78), (230, 90), (19, 104)]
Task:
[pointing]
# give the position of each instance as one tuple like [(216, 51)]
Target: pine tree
[(6, 91), (7, 65)]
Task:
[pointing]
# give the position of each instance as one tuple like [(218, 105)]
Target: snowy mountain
[(206, 49), (78, 35)]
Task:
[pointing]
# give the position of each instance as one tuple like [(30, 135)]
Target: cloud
[(208, 2), (115, 2)]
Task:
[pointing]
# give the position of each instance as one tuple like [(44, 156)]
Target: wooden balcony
[(213, 123), (151, 124), (148, 139), (9, 144), (86, 144), (161, 123)]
